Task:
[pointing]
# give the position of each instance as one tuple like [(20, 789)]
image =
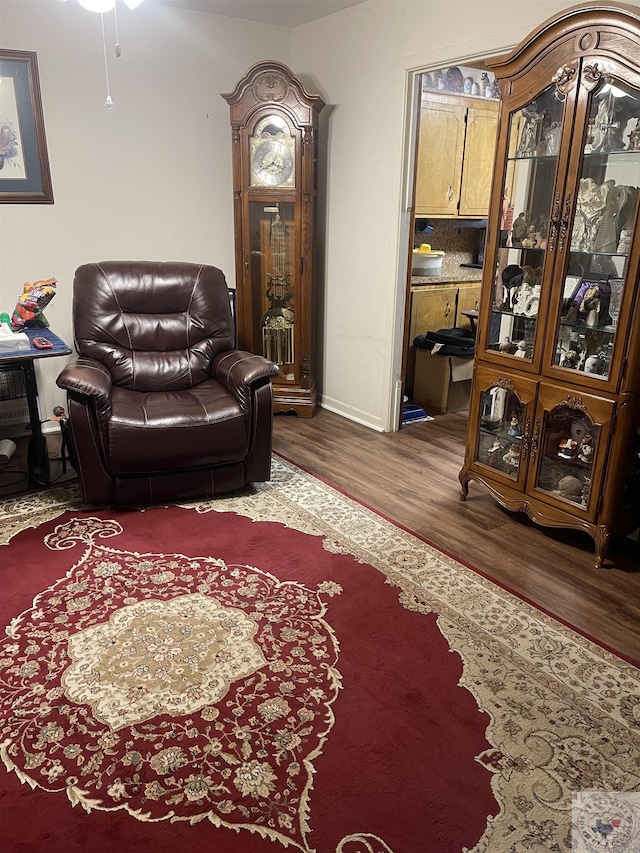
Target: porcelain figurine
[(567, 448), (512, 457), (585, 451), (514, 427)]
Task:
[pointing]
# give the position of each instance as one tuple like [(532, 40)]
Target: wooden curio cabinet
[(274, 123), (555, 413)]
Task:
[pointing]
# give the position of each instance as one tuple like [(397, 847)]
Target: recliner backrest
[(154, 325)]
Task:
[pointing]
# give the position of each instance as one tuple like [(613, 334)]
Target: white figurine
[(512, 457)]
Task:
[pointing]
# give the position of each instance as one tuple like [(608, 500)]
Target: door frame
[(469, 53)]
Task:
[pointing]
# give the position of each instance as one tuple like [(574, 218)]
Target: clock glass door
[(272, 228)]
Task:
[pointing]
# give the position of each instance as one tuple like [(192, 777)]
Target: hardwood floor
[(412, 477)]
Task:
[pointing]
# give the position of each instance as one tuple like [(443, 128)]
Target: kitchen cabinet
[(456, 148), (438, 306), (433, 307), (468, 300), (554, 418)]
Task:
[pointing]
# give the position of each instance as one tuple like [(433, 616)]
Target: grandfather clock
[(274, 123)]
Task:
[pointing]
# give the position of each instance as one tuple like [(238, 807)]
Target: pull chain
[(109, 102), (115, 21)]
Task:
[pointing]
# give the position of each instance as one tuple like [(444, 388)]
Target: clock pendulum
[(278, 321)]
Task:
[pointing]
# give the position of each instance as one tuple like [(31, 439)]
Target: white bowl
[(426, 263)]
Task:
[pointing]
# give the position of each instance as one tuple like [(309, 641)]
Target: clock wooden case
[(554, 420), (274, 123)]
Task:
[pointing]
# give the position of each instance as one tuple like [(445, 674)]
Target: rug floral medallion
[(236, 669), (185, 687)]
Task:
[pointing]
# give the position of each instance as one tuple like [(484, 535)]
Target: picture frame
[(25, 177)]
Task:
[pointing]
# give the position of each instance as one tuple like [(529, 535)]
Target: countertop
[(448, 276)]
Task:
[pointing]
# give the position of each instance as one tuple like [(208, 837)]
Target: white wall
[(149, 179), (152, 177), (361, 61)]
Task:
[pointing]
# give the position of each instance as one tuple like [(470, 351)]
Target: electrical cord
[(57, 457), (23, 475), (51, 457)]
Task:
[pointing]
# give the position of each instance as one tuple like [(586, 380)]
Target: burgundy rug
[(253, 673)]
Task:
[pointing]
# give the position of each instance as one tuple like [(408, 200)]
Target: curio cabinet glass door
[(591, 309), (526, 227)]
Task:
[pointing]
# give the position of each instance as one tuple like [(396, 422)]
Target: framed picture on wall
[(24, 163)]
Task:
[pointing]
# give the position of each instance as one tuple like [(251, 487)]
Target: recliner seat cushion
[(200, 426)]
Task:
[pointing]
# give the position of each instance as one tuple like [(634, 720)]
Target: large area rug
[(285, 669)]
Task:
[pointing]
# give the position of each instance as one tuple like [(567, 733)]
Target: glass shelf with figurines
[(585, 350), (613, 125), (625, 156), (515, 306), (536, 128), (512, 335), (605, 209), (586, 328), (533, 145), (603, 222), (500, 432), (569, 444)]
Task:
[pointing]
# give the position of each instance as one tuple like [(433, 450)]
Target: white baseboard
[(353, 414)]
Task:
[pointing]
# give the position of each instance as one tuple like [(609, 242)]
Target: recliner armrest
[(239, 371), (89, 378)]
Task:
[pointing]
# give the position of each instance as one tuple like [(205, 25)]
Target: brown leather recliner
[(161, 405)]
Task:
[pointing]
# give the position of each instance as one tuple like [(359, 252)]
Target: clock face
[(272, 164)]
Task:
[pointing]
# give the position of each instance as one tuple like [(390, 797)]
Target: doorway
[(455, 119)]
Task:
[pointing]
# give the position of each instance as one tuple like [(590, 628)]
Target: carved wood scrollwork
[(576, 403), (564, 222), (535, 440), (564, 78), (507, 384), (270, 87), (525, 441), (553, 224), (591, 75)]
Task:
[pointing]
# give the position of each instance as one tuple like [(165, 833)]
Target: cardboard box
[(442, 382)]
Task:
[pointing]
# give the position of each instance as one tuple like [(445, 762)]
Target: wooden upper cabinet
[(479, 154), (456, 148), (440, 153)]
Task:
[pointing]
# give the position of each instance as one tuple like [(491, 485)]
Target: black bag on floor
[(452, 342)]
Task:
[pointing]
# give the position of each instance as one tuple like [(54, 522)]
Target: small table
[(38, 459), (472, 314)]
